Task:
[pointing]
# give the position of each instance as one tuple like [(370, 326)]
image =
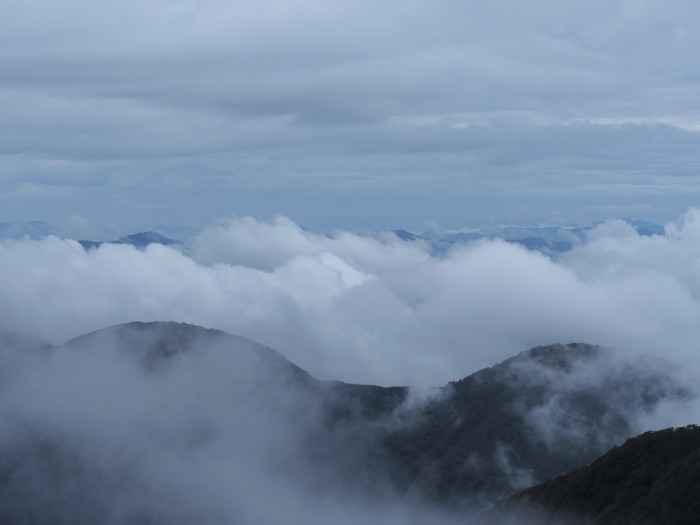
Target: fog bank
[(370, 310)]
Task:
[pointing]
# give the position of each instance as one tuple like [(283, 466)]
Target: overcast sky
[(350, 114)]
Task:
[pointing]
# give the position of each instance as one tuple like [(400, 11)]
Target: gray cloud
[(138, 97)]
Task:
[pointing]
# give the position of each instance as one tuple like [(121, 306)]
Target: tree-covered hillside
[(142, 398), (652, 479)]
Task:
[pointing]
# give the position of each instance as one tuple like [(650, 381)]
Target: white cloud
[(341, 306), (356, 308)]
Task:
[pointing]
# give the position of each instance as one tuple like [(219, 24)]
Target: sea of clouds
[(370, 309), (186, 444)]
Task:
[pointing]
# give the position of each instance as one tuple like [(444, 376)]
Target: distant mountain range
[(139, 240), (39, 229), (537, 415), (549, 240)]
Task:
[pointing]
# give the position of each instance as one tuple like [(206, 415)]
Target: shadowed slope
[(534, 416), (652, 479), (91, 422)]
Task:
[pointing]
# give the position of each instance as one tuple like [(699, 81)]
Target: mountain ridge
[(471, 442), (480, 434)]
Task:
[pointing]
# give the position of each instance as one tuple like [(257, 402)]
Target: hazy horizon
[(78, 228)]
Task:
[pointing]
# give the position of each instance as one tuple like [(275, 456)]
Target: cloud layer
[(365, 309), (198, 440), (204, 107)]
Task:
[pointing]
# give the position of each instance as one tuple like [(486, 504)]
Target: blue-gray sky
[(348, 114)]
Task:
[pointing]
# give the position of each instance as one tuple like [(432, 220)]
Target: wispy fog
[(171, 424), (92, 433)]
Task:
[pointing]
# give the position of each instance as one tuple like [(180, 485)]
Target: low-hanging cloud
[(199, 440), (93, 434), (369, 309)]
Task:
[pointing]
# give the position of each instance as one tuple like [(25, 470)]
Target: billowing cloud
[(365, 309), (144, 439)]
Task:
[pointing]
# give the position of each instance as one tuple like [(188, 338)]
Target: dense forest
[(652, 479)]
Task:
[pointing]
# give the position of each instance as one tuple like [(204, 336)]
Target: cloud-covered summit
[(170, 423)]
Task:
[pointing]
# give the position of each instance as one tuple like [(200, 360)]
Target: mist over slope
[(168, 423), (159, 423), (534, 416)]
